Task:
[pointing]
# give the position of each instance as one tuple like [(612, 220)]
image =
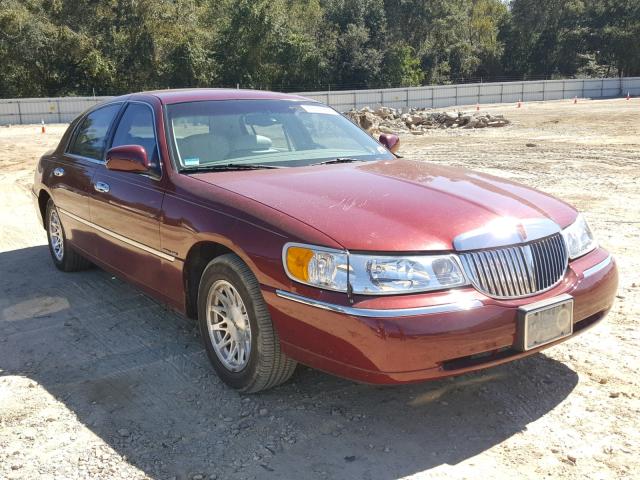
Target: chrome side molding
[(371, 313), (117, 236)]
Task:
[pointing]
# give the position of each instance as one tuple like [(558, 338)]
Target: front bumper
[(418, 337)]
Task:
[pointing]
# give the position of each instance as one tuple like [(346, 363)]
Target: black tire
[(68, 260), (266, 365)]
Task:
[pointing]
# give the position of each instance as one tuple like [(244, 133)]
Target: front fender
[(255, 232)]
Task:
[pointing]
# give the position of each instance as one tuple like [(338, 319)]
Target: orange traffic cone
[(43, 130), (519, 104)]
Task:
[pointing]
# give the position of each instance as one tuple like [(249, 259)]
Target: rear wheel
[(236, 328), (64, 258)]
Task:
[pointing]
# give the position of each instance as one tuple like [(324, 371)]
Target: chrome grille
[(518, 270)]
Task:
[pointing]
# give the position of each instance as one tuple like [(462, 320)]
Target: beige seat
[(206, 147)]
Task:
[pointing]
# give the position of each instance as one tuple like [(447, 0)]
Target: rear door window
[(91, 138)]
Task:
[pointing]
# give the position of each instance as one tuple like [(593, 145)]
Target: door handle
[(101, 187), (58, 172)]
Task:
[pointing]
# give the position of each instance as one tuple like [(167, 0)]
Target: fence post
[(563, 88), (355, 102), (601, 87), (407, 96), (544, 90), (58, 108), (522, 91), (19, 113), (621, 86), (502, 93)]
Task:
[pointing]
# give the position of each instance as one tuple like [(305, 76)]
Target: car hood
[(395, 205)]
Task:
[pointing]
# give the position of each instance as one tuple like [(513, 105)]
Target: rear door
[(127, 205), (71, 173)]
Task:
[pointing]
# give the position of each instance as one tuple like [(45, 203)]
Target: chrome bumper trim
[(597, 267), (392, 313)]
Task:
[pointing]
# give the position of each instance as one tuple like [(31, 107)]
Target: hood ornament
[(521, 231)]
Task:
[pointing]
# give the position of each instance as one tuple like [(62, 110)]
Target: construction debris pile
[(418, 121)]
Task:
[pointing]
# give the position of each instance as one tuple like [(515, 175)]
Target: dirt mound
[(418, 121)]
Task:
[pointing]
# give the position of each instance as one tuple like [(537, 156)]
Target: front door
[(127, 206)]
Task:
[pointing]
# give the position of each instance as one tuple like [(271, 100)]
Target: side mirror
[(392, 142), (128, 158)]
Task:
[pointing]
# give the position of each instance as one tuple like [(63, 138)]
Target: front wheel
[(64, 258), (236, 328)]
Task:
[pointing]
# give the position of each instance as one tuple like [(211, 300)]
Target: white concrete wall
[(65, 109), (469, 94)]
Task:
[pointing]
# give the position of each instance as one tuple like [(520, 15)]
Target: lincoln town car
[(292, 236)]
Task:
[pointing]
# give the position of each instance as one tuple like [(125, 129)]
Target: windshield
[(265, 132)]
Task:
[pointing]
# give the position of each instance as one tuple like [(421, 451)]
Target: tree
[(64, 47), (360, 31), (614, 33), (487, 19), (402, 67), (545, 37)]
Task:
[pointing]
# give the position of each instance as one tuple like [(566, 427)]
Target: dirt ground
[(99, 381)]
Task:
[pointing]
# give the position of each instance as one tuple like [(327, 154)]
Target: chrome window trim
[(375, 313), (117, 236), (598, 266), (86, 159)]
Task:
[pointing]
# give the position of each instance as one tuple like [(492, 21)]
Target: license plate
[(545, 321)]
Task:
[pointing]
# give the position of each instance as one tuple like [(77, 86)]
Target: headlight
[(371, 274), (578, 238), (388, 275)]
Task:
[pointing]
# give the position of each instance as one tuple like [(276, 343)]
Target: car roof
[(200, 94)]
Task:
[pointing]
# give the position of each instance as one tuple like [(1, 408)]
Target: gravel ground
[(99, 381)]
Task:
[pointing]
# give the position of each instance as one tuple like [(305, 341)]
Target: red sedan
[(293, 236)]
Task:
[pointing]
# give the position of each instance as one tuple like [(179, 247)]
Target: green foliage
[(402, 67), (66, 47)]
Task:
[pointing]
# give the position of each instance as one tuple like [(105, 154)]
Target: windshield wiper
[(229, 167), (337, 160)]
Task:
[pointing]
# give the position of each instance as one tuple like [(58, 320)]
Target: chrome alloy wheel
[(228, 325), (55, 235)]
